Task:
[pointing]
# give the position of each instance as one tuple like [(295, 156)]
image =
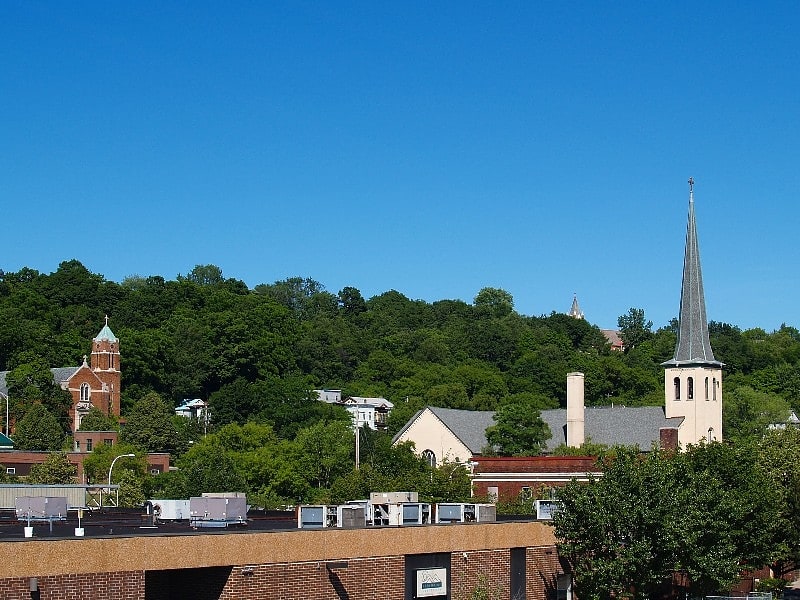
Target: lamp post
[(115, 460), (6, 397)]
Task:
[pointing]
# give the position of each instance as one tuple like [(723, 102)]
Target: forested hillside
[(256, 353)]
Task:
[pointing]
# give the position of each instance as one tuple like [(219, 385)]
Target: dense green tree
[(496, 301), (97, 464), (208, 468), (779, 457), (56, 470), (149, 425), (351, 301), (634, 328), (748, 413), (327, 451), (709, 513), (204, 275), (519, 429), (32, 382), (38, 430), (130, 490), (96, 420)]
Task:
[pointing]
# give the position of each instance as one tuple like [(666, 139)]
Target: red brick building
[(511, 478), (96, 383)]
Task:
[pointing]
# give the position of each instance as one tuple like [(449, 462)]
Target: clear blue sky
[(432, 148)]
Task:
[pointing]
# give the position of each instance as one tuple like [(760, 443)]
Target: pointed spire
[(693, 347), (575, 311)]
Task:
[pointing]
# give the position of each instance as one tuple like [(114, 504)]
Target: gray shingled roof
[(610, 425), (60, 374)]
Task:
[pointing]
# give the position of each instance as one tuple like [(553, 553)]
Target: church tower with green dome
[(106, 366)]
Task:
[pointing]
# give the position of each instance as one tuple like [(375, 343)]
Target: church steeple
[(693, 346), (575, 312), (693, 377)]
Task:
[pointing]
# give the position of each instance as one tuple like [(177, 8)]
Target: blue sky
[(431, 148)]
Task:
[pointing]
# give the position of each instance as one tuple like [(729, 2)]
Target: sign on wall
[(431, 583)]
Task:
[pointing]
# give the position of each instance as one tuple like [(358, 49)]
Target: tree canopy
[(256, 355), (708, 513)]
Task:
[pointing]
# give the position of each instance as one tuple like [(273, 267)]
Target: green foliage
[(748, 413), (708, 512), (56, 470), (206, 467), (634, 328), (779, 458), (130, 490), (256, 354), (587, 448), (96, 420), (38, 430), (149, 426), (31, 382), (519, 429), (97, 464)]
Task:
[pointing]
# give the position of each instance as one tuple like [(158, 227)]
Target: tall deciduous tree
[(96, 420), (519, 429), (708, 512), (634, 328), (38, 430), (149, 425), (56, 470)]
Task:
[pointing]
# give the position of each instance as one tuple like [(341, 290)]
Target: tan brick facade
[(367, 564)]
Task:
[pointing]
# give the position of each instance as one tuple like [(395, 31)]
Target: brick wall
[(97, 586), (480, 570), (542, 566), (361, 579)]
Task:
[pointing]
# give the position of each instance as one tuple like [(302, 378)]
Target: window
[(108, 442), (710, 437), (430, 457), (492, 492), (11, 470), (77, 446), (85, 392), (155, 471), (690, 388), (677, 383), (706, 388), (714, 387), (525, 493), (88, 445)]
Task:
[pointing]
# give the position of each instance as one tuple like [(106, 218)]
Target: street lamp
[(6, 397), (115, 460)]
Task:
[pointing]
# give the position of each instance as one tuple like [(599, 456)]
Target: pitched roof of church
[(693, 346), (60, 374), (610, 425)]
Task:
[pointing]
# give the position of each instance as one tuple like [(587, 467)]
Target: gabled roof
[(610, 425), (6, 442)]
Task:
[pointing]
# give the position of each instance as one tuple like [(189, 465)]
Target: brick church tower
[(105, 364)]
